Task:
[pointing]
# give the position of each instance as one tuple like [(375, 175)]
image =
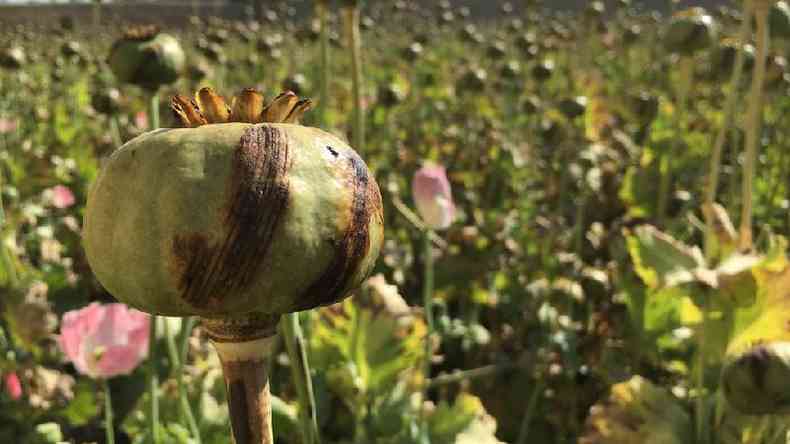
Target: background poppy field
[(614, 269)]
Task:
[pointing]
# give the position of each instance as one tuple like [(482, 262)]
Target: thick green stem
[(245, 346), (323, 12), (701, 422), (427, 301), (109, 428), (467, 375), (355, 44), (523, 433), (300, 372), (115, 131), (5, 256), (665, 167), (718, 146), (153, 383), (154, 111), (754, 122), (96, 13)]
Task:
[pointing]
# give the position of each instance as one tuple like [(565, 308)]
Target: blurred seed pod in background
[(412, 52), (296, 83), (147, 58), (689, 31), (757, 381), (473, 80), (776, 74), (391, 94), (510, 70), (573, 107), (722, 59), (644, 107), (198, 70), (631, 34), (106, 101), (497, 50), (779, 20), (13, 58), (530, 105), (543, 70)]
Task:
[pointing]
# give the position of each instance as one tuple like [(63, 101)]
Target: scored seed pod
[(236, 206), (689, 31), (238, 218), (147, 58), (757, 382)]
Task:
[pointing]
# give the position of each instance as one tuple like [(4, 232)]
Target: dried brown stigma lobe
[(187, 112)]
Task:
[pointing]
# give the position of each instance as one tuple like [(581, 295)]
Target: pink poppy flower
[(141, 120), (12, 385), (433, 197), (105, 340), (8, 125), (62, 197)]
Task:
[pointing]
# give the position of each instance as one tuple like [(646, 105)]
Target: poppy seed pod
[(147, 58), (757, 381), (779, 20), (224, 213), (240, 217), (689, 31), (722, 59), (12, 58)]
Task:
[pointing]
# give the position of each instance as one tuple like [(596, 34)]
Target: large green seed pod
[(689, 31), (758, 381), (227, 219), (233, 218), (147, 58)]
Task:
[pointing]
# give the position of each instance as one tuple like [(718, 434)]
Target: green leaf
[(637, 411), (366, 344), (84, 406), (662, 261), (449, 421)]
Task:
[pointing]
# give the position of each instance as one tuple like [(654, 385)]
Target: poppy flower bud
[(433, 197)]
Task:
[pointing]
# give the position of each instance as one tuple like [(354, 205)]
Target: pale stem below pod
[(245, 366)]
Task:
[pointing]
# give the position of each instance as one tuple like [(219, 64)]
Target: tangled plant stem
[(427, 298), (322, 11), (754, 121), (153, 382), (300, 370), (665, 167), (729, 108), (178, 362), (109, 429), (355, 43)]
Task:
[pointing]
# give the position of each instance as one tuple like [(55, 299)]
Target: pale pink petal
[(12, 385), (8, 125), (433, 196), (141, 120), (119, 360), (103, 341), (62, 197), (77, 325)]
